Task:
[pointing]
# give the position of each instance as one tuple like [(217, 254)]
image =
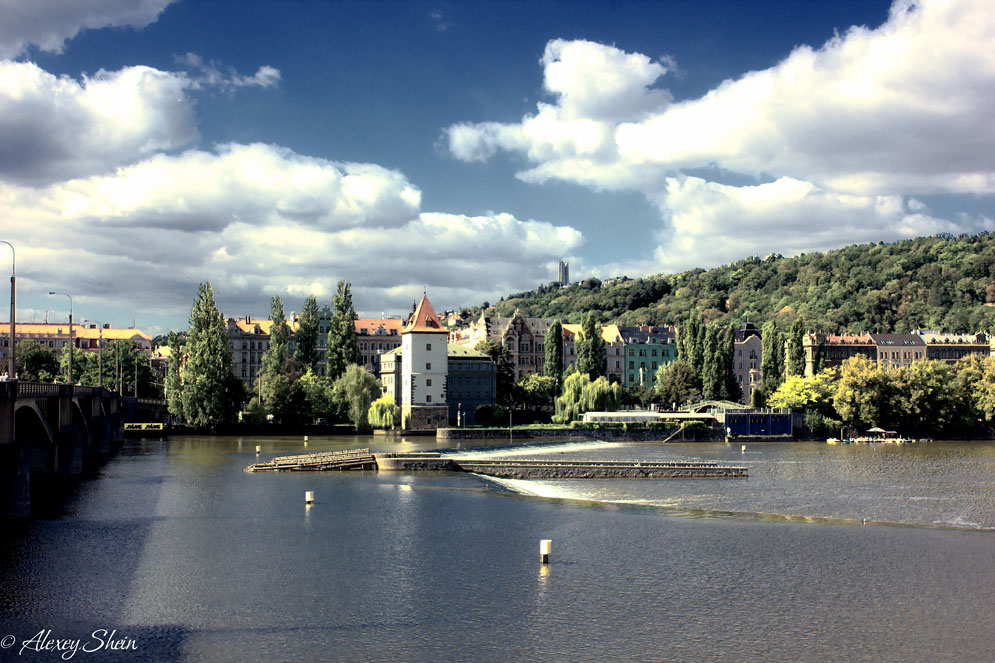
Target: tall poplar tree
[(342, 347), (306, 345), (276, 360), (796, 349), (208, 368), (712, 383), (591, 355), (174, 382), (553, 367), (733, 392), (772, 361)]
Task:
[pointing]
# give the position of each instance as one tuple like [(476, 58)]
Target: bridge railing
[(41, 389)]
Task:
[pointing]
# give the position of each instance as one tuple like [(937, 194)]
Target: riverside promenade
[(508, 469)]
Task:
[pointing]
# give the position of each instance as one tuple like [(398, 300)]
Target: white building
[(424, 368)]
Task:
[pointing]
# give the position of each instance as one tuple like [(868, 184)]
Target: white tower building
[(424, 367)]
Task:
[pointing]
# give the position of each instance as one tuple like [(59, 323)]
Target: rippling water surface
[(845, 553)]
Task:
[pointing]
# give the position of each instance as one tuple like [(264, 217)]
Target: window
[(632, 352), (428, 398), (428, 382), (654, 365), (428, 366), (428, 347), (654, 353), (630, 366), (616, 363)]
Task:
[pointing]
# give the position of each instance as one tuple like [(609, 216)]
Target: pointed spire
[(424, 319)]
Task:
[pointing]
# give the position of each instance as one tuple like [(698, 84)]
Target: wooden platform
[(352, 459)]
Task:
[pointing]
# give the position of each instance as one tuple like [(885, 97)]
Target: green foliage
[(318, 394), (208, 367), (677, 383), (796, 351), (936, 282), (277, 372), (306, 343), (491, 415), (536, 391), (505, 379), (806, 394), (35, 362), (591, 357), (864, 393), (342, 347), (354, 391), (772, 361), (383, 413), (553, 366), (581, 394), (174, 381)]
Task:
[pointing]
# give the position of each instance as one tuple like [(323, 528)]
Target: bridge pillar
[(69, 445), (15, 481)]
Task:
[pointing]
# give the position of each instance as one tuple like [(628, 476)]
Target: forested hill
[(942, 282)]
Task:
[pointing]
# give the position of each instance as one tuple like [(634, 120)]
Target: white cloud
[(48, 24), (259, 220), (53, 128), (848, 132), (788, 216), (210, 74)]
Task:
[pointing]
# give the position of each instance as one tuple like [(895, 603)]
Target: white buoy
[(744, 449), (545, 547), (258, 449), (309, 497)]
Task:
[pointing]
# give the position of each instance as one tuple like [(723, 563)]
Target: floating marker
[(258, 449), (545, 547), (744, 449), (305, 440), (309, 497)]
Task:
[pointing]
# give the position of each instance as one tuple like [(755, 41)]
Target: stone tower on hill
[(424, 368)]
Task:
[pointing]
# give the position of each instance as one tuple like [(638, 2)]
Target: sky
[(462, 149)]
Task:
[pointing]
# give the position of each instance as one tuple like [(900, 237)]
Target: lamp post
[(12, 364), (100, 352), (62, 294)]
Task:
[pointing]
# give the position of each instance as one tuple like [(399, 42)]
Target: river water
[(826, 553)]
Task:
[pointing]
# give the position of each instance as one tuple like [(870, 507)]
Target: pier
[(362, 459)]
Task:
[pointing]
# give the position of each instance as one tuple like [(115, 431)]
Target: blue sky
[(463, 148)]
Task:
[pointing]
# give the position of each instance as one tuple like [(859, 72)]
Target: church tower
[(424, 368)]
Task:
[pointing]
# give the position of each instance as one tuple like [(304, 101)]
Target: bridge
[(50, 432)]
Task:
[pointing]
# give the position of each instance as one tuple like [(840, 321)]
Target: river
[(826, 553)]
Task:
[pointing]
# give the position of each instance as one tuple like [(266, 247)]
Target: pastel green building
[(646, 348)]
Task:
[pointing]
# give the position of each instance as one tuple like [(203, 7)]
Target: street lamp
[(12, 370), (62, 294), (100, 352)]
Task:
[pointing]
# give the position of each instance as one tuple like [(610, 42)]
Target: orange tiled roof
[(609, 333), (371, 325), (424, 319), (249, 326), (79, 331)]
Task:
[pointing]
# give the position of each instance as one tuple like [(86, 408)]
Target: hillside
[(941, 282)]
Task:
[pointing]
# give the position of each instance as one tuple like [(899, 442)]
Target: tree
[(174, 382), (677, 383), (796, 349), (864, 393), (384, 414), (355, 390), (926, 397), (287, 400), (591, 356), (772, 361), (319, 395), (581, 394), (553, 367), (733, 392), (501, 356), (712, 379), (537, 391), (208, 367), (342, 347), (306, 344), (277, 363), (35, 363), (812, 393)]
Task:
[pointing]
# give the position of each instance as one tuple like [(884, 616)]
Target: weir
[(507, 469)]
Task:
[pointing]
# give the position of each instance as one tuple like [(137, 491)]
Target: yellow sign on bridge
[(143, 426)]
